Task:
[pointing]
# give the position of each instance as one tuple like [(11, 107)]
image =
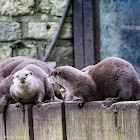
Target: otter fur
[(75, 82), (7, 81), (7, 66), (31, 84), (115, 77), (111, 78)]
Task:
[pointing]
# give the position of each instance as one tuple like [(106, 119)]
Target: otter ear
[(12, 77), (31, 73)]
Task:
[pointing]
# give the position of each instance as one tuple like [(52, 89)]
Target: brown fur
[(7, 82), (39, 89), (75, 82), (115, 77), (7, 66), (112, 77)]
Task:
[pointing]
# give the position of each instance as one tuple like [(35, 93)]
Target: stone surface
[(43, 30), (37, 30), (54, 7), (16, 7), (65, 33), (9, 31), (30, 50), (58, 7), (62, 53), (45, 6), (5, 51)]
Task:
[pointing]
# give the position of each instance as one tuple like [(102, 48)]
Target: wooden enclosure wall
[(65, 121)]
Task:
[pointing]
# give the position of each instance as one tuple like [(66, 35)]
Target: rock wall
[(35, 22)]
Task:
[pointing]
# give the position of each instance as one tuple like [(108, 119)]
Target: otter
[(7, 66), (86, 69), (31, 84), (76, 83), (7, 82), (116, 78), (111, 78)]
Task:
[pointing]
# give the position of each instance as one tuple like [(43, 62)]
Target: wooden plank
[(88, 32), (2, 128), (128, 120), (84, 123), (48, 122), (17, 123), (96, 121), (96, 14), (109, 124), (78, 34)]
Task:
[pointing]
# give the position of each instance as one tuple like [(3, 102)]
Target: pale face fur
[(22, 78), (56, 78)]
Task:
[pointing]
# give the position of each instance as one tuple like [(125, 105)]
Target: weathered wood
[(95, 121), (84, 123), (17, 123), (2, 128), (88, 32), (96, 14), (78, 34), (48, 122), (127, 120)]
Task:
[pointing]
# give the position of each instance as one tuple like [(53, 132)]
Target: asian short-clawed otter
[(75, 82), (10, 67), (31, 84), (111, 78)]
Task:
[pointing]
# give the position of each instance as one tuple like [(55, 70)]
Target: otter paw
[(80, 105), (48, 101), (78, 99), (39, 104), (18, 105)]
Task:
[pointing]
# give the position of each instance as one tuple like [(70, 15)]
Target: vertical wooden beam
[(47, 121), (2, 128), (88, 31), (17, 123), (78, 33), (96, 12)]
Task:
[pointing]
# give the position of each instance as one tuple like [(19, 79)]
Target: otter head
[(54, 76), (22, 77)]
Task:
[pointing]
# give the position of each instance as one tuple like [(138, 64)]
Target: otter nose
[(22, 80)]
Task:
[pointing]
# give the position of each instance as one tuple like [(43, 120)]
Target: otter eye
[(26, 74)]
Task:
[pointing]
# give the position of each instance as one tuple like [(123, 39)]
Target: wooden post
[(78, 34), (88, 32), (17, 123), (48, 122), (2, 128)]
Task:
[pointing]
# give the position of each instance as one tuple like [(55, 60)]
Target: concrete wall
[(98, 120), (35, 22)]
